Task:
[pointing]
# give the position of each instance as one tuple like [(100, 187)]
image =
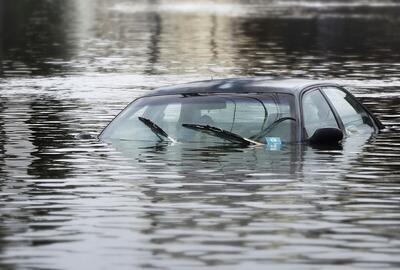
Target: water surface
[(66, 202)]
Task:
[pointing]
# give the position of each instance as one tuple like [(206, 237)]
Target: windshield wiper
[(161, 134), (271, 127), (221, 133)]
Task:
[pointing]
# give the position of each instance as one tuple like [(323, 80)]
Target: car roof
[(240, 85)]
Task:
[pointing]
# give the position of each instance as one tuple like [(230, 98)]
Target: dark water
[(70, 203)]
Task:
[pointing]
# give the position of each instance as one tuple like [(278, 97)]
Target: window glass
[(245, 115), (317, 113), (354, 117), (281, 108), (132, 127)]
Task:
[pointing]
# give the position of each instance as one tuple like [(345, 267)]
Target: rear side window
[(317, 113), (355, 119)]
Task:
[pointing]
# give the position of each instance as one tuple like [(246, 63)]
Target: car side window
[(355, 119), (316, 112)]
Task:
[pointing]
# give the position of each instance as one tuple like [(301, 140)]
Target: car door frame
[(377, 124), (333, 110)]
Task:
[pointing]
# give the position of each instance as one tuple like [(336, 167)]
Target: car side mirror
[(326, 136)]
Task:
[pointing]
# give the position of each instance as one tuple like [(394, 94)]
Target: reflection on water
[(68, 67), (33, 32)]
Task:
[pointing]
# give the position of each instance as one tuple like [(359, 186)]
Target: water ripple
[(68, 201)]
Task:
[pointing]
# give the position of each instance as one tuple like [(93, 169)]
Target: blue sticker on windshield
[(273, 143)]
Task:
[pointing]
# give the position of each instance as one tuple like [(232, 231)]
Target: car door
[(316, 113), (355, 119)]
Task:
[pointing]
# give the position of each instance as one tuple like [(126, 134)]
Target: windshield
[(250, 116)]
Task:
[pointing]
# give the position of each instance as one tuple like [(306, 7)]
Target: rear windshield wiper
[(221, 133), (161, 134)]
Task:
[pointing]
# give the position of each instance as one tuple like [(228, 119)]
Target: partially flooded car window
[(354, 117), (245, 115), (317, 113)]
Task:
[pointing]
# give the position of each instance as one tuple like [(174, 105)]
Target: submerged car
[(245, 111)]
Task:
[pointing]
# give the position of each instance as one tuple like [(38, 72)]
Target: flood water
[(66, 202)]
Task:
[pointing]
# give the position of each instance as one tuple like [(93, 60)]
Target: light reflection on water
[(68, 202)]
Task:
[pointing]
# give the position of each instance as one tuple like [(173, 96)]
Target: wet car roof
[(240, 85)]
